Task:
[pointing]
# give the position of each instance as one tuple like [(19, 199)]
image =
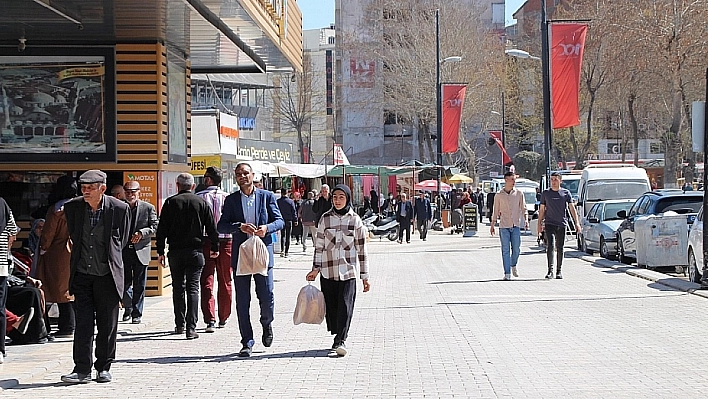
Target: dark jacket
[(146, 223), (307, 214), (287, 209), (409, 211), (320, 207), (422, 210), (185, 216), (267, 213), (116, 220)]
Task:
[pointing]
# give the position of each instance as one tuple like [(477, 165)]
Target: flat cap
[(92, 176)]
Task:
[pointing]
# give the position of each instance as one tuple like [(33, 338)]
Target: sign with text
[(201, 163), (469, 213), (148, 185), (269, 151), (329, 84)]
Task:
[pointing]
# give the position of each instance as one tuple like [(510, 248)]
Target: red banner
[(453, 100), (497, 136), (567, 45)]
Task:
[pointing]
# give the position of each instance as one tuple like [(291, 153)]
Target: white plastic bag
[(310, 307), (253, 257)]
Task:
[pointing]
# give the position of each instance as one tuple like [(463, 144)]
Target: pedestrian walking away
[(423, 214), (552, 221), (510, 210), (341, 241), (221, 265), (99, 227), (480, 203), (8, 234), (404, 217), (136, 255), (289, 213), (184, 219), (248, 212), (308, 217)]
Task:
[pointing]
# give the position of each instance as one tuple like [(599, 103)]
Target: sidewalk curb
[(650, 275), (65, 361)]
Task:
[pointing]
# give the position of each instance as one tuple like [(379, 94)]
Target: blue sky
[(320, 13)]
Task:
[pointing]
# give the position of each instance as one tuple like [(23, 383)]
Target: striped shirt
[(215, 197), (341, 239), (11, 229)]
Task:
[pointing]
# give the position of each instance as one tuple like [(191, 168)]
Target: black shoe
[(104, 376), (126, 316), (191, 334), (179, 330), (559, 276), (136, 320), (77, 378), (211, 327), (222, 324), (245, 351), (268, 336), (64, 334), (549, 275)]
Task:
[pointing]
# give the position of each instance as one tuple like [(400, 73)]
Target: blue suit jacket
[(267, 213)]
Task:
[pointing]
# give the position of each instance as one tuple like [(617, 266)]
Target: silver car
[(598, 230), (695, 249)]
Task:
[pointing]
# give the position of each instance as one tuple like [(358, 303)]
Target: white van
[(610, 182)]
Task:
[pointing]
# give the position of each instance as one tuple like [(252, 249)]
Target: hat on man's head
[(92, 176)]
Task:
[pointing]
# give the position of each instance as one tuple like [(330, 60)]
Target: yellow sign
[(82, 72), (200, 164), (148, 185)]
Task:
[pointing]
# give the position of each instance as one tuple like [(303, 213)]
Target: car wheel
[(622, 258), (604, 251), (694, 275)]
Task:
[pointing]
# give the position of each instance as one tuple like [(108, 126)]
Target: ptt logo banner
[(148, 185)]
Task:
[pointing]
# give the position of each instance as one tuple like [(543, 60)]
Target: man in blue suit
[(251, 211)]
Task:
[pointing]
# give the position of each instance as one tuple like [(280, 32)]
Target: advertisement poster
[(55, 105), (148, 185), (201, 163), (176, 112)]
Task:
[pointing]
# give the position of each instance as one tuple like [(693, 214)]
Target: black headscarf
[(343, 188)]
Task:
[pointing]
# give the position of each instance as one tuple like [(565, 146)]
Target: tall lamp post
[(438, 102), (503, 130)]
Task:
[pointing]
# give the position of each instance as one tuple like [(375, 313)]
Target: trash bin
[(662, 240)]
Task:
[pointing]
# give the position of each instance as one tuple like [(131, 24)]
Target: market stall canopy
[(339, 170), (459, 178), (304, 170), (431, 185)]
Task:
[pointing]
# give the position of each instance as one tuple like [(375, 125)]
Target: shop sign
[(148, 185), (269, 151), (201, 163)]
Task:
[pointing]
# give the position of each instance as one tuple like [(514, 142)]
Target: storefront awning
[(304, 170)]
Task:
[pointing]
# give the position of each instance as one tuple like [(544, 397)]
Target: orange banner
[(453, 100), (567, 45)]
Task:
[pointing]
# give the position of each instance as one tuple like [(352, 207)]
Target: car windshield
[(615, 189), (676, 203), (530, 197), (612, 209), (571, 185)]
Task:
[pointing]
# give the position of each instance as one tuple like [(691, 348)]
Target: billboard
[(57, 105)]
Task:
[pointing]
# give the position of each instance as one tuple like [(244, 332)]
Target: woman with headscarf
[(341, 240), (53, 268)]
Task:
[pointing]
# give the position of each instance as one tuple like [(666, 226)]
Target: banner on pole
[(340, 158), (453, 101), (567, 46), (497, 136)]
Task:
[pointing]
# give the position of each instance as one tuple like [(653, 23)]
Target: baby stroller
[(456, 220)]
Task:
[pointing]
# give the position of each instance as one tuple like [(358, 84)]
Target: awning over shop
[(340, 170), (304, 170)]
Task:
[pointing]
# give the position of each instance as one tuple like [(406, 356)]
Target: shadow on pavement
[(38, 385), (616, 298), (663, 284), (181, 359), (148, 336), (486, 281)]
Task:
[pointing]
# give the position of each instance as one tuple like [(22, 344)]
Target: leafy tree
[(530, 165)]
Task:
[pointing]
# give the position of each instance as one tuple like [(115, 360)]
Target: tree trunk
[(673, 140), (301, 144), (635, 129)]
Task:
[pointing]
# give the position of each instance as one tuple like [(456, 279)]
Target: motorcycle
[(384, 226)]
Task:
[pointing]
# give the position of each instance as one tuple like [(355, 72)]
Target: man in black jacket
[(99, 226), (289, 213), (323, 203), (185, 216), (422, 213)]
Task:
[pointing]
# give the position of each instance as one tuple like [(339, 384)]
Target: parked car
[(654, 203), (599, 229), (609, 182), (695, 249)]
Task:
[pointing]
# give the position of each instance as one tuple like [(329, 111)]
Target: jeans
[(186, 266), (555, 239), (3, 320), (510, 247), (264, 292)]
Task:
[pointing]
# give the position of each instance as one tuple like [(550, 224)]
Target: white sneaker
[(341, 350), (2, 358), (513, 271), (507, 277)]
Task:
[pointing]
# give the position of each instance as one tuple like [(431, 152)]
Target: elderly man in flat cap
[(99, 226)]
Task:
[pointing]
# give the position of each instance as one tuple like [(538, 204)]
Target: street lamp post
[(438, 104), (545, 66)]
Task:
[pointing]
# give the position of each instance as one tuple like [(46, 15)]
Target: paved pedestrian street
[(438, 322)]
